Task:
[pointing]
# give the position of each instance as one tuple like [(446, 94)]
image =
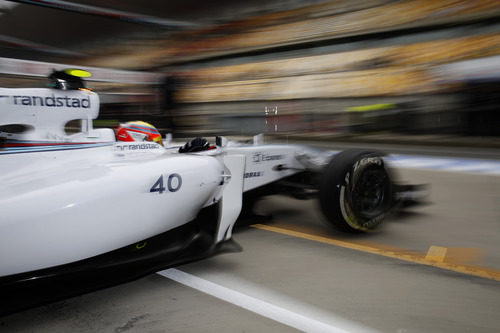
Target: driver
[(138, 131)]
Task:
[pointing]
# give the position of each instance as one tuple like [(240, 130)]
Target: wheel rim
[(370, 192)]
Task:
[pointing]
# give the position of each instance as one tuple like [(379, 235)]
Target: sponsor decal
[(253, 174), (47, 101), (137, 146), (262, 157)]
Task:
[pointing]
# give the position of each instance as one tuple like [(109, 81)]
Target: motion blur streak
[(92, 10)]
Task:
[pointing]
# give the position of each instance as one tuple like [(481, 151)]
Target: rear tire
[(356, 192)]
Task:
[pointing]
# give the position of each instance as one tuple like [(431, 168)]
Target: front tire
[(355, 192)]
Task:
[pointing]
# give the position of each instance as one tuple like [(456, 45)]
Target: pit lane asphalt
[(324, 282)]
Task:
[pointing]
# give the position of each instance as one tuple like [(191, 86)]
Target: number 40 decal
[(174, 183)]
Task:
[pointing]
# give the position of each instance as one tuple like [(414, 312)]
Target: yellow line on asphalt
[(418, 258)]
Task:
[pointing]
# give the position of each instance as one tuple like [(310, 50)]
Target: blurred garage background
[(410, 71)]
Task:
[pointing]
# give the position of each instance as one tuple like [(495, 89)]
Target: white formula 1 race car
[(84, 211)]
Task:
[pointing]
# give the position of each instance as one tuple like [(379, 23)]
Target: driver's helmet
[(138, 131), (68, 79)]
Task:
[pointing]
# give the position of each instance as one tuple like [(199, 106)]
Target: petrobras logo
[(46, 101), (253, 174)]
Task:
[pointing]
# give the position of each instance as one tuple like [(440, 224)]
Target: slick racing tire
[(356, 191)]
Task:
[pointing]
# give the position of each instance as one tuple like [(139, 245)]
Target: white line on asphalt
[(263, 308)]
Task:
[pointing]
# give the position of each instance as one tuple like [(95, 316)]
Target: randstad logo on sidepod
[(47, 101)]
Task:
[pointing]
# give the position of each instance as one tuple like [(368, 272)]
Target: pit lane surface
[(434, 268)]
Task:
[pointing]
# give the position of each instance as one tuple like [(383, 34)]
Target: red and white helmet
[(138, 131)]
